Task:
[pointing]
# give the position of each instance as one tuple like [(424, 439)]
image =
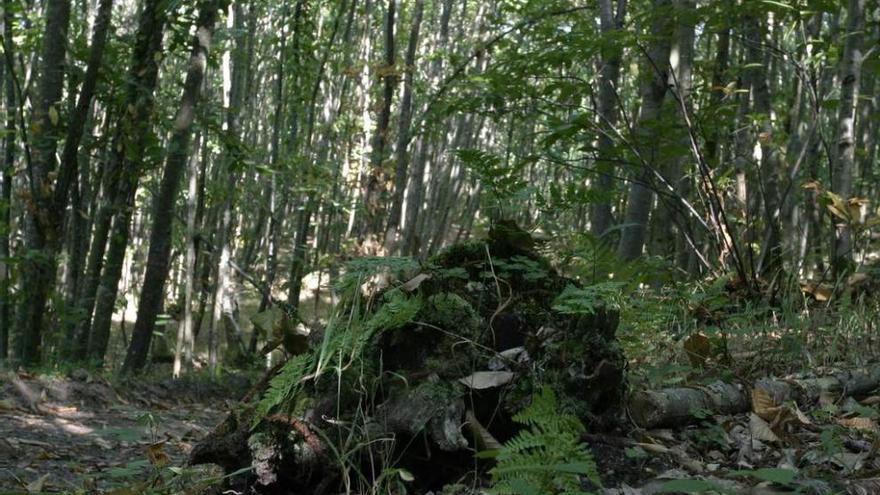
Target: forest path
[(84, 433)]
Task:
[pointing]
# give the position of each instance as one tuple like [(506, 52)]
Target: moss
[(452, 313), (459, 255)]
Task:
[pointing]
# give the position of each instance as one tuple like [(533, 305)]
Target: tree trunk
[(130, 142), (375, 185), (70, 165), (40, 231), (403, 132), (6, 175), (601, 217), (185, 336), (153, 291), (653, 91), (844, 154), (769, 261)]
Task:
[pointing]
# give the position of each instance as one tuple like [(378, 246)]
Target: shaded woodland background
[(175, 168)]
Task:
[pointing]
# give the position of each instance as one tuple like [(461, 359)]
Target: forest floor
[(84, 433)]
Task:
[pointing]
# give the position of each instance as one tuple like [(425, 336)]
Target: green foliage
[(359, 270), (501, 181), (575, 300), (548, 457), (284, 385), (347, 337), (397, 310), (529, 269)]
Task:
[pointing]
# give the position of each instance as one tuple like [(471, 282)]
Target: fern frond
[(547, 458), (284, 385)]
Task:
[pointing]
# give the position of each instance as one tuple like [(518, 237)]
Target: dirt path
[(60, 434)]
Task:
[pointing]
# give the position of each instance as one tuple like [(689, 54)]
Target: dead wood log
[(685, 405)]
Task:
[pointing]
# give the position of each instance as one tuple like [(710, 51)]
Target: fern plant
[(346, 339), (546, 458)]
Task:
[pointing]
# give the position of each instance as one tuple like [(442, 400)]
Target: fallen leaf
[(487, 379), (857, 279), (858, 423), (156, 454), (698, 349), (820, 292), (654, 448), (36, 486), (415, 282), (760, 429), (763, 404)]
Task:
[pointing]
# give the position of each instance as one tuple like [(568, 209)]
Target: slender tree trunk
[(844, 154), (770, 258), (129, 145), (403, 132), (6, 175), (415, 198), (376, 177), (40, 231), (653, 90), (185, 336), (153, 291), (601, 217), (70, 166)]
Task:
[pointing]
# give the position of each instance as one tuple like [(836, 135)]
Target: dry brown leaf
[(415, 282), (36, 486), (858, 423), (481, 435), (820, 292), (760, 430), (869, 486), (698, 349), (763, 404), (800, 416), (812, 185), (857, 279), (156, 454), (870, 401), (654, 448)]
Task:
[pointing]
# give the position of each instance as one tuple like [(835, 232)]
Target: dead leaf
[(763, 404), (481, 380), (53, 115), (156, 454), (869, 486), (482, 437), (698, 349), (857, 279), (36, 486), (820, 292), (760, 429), (415, 282), (654, 448), (858, 423), (812, 185)]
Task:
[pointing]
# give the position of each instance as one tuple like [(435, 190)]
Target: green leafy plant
[(586, 300), (546, 458)]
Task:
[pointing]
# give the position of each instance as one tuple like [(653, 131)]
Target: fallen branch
[(685, 405)]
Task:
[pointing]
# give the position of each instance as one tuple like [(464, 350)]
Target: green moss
[(452, 313), (459, 255)]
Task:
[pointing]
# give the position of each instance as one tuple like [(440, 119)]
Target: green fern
[(346, 340), (359, 270), (284, 385), (547, 458)]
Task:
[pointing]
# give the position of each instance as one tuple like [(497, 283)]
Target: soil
[(86, 433)]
